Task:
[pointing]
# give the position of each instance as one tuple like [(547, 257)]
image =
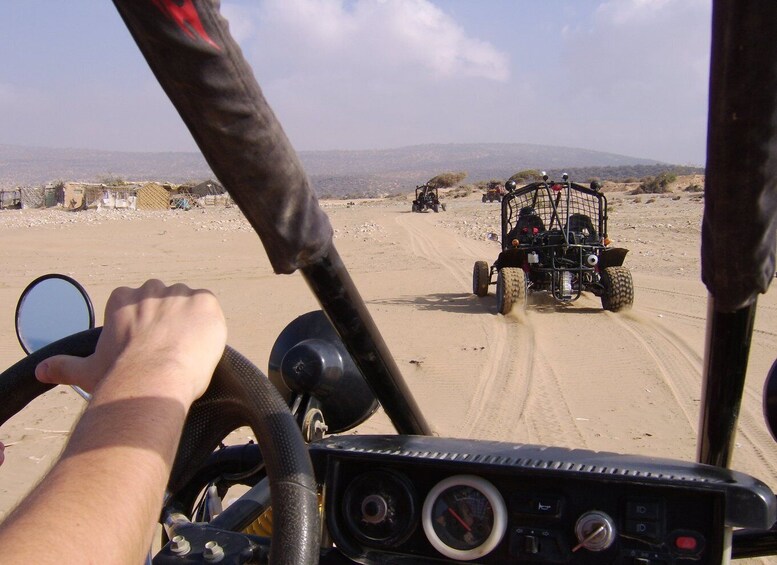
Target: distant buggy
[(554, 240), (427, 198), (494, 193)]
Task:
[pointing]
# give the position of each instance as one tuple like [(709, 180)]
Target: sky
[(621, 76)]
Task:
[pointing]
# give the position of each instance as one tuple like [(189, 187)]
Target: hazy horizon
[(627, 77)]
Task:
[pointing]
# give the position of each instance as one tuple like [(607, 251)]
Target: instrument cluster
[(423, 499)]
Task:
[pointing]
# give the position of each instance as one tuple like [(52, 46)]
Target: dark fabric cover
[(738, 231), (188, 47)]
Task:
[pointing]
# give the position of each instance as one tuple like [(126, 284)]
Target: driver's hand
[(167, 333)]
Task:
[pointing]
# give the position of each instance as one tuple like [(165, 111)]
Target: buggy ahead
[(554, 240)]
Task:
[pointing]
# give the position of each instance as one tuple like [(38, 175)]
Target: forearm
[(106, 491)]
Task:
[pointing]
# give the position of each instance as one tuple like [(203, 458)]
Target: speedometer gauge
[(464, 517)]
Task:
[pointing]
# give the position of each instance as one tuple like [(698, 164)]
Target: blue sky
[(622, 76)]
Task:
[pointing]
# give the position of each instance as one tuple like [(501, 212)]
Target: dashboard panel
[(413, 499)]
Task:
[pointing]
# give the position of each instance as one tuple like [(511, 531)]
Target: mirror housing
[(309, 359)]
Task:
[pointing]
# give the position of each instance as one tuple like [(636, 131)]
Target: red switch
[(686, 543)]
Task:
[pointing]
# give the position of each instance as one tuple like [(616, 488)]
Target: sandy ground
[(564, 375)]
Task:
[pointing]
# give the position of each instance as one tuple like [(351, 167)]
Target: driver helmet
[(526, 211)]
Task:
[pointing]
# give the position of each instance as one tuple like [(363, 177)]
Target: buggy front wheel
[(510, 288), (618, 289), (481, 278)]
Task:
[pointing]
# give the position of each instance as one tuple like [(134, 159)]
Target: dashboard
[(414, 499)]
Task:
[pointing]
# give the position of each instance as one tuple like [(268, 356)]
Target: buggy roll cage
[(203, 72), (544, 188)]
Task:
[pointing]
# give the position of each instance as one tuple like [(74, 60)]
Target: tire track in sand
[(678, 365), (500, 386), (681, 366)]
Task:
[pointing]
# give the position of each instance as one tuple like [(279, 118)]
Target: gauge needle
[(459, 518)]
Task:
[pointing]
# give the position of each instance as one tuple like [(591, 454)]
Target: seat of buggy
[(581, 223), (527, 225)]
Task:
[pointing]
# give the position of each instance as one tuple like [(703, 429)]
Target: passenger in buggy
[(528, 224), (581, 223)]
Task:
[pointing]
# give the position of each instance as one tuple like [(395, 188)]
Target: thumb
[(65, 370)]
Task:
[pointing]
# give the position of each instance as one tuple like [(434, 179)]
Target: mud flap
[(612, 257)]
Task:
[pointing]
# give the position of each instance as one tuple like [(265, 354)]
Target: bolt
[(180, 545), (213, 552)]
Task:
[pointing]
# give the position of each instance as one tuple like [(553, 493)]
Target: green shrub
[(526, 175), (656, 185), (447, 180)]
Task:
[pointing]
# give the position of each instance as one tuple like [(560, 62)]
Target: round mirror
[(50, 308)]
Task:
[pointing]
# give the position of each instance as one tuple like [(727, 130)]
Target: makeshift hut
[(152, 196), (207, 188), (119, 197), (80, 195), (38, 196), (10, 199), (73, 195), (210, 193)]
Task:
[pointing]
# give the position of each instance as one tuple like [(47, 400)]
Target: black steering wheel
[(238, 395)]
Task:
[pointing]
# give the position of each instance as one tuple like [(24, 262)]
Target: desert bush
[(693, 187), (637, 200), (447, 180), (650, 200), (526, 174), (676, 197), (658, 184)]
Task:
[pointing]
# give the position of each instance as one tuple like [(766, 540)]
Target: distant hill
[(332, 173)]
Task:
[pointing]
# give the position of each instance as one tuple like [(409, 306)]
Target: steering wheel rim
[(239, 394)]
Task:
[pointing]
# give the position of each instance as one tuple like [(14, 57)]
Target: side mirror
[(52, 307), (510, 185), (491, 236), (316, 375)]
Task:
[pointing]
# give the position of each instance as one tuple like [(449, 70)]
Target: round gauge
[(464, 517), (381, 508)]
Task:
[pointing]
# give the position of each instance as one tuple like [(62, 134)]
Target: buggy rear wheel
[(618, 289), (481, 278), (510, 288)]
